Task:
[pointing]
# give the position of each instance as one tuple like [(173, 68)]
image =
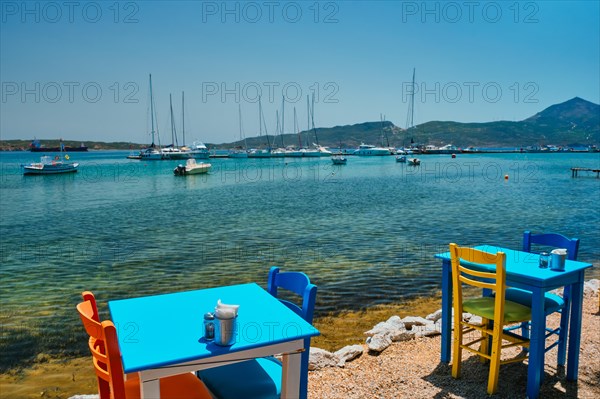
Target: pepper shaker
[(544, 260), (209, 326)]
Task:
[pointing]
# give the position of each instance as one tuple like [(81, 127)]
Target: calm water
[(365, 232)]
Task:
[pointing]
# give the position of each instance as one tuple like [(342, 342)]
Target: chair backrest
[(551, 240), (89, 296), (296, 282), (471, 272), (300, 284), (105, 351)]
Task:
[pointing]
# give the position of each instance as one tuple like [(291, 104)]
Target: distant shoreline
[(482, 150)]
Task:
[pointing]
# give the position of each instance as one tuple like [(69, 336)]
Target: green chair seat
[(484, 307)]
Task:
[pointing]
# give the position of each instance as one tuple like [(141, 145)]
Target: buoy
[(505, 177), (453, 156)]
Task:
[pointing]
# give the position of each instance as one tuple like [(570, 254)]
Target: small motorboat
[(413, 161), (339, 160), (191, 168), (50, 166), (401, 158)]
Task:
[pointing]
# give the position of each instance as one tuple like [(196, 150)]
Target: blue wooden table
[(522, 271), (162, 335)]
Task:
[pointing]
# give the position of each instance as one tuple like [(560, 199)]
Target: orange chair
[(109, 368)]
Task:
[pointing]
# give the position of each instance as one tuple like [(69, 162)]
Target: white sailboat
[(197, 150), (291, 151), (240, 153), (153, 152), (173, 151), (265, 152), (409, 125), (322, 151), (279, 152)]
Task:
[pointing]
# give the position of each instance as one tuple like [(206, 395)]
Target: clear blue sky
[(75, 71)]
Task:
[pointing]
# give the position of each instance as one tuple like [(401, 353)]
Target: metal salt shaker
[(544, 260), (209, 326)]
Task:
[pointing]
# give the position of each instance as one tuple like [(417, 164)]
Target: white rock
[(379, 343), (85, 397), (402, 335), (348, 353), (590, 288), (435, 316), (396, 321), (410, 321), (428, 329), (392, 326), (320, 358), (379, 328)]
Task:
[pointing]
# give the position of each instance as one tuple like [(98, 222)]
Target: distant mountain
[(574, 122)]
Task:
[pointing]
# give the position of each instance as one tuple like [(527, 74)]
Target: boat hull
[(238, 155), (50, 169), (195, 170), (372, 152), (57, 149)]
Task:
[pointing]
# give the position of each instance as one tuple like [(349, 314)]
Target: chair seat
[(176, 387), (552, 302), (484, 307), (256, 379)]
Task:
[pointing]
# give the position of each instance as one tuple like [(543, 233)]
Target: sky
[(80, 70)]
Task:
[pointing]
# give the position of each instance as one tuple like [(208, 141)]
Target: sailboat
[(152, 153), (291, 151), (197, 150), (409, 125), (316, 149), (240, 153), (391, 149), (261, 153), (173, 151), (279, 152)]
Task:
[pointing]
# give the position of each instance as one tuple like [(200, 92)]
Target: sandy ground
[(412, 369)]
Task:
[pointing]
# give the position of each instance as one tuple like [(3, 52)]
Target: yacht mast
[(173, 130), (312, 117), (151, 112), (183, 117)]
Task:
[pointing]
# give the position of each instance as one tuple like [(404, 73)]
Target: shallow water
[(365, 232)]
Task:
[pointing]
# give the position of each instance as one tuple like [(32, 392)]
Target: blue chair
[(552, 302), (261, 378)]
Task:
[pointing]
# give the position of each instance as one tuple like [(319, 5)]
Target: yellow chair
[(484, 270)]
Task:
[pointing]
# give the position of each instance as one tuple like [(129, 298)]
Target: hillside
[(571, 123), (574, 122)]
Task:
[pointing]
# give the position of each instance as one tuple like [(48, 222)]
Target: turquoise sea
[(365, 232)]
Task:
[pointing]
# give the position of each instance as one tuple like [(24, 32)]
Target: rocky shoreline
[(400, 359), (396, 329)]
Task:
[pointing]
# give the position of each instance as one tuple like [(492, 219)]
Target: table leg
[(446, 325), (150, 389), (575, 328), (535, 370), (290, 384)]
